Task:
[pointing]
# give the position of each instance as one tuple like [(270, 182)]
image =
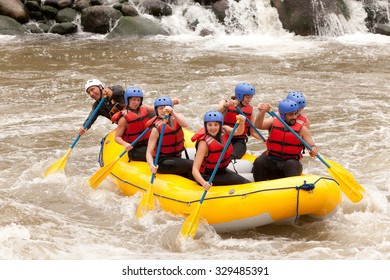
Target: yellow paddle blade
[(59, 164), (352, 189), (190, 225), (101, 174), (146, 203)]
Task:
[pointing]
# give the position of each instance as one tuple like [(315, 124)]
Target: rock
[(64, 28), (14, 9), (155, 8), (59, 4), (49, 12), (81, 5), (66, 15), (135, 26), (383, 29), (9, 26), (219, 8), (130, 10), (300, 17), (99, 19)]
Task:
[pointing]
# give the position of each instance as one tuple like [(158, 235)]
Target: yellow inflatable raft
[(227, 208)]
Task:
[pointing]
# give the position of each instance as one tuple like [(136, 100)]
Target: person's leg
[(138, 153), (176, 165), (292, 167), (239, 148)]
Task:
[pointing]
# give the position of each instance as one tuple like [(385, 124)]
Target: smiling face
[(213, 128), (291, 118), (94, 92), (134, 103), (247, 99)]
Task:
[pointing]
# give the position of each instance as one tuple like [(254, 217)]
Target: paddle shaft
[(219, 160), (135, 141), (159, 146), (272, 113), (250, 123), (88, 121)]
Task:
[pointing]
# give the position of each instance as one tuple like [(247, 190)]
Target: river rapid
[(345, 80)]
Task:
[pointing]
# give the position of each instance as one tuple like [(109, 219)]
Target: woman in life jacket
[(132, 121), (284, 150), (243, 95), (170, 160), (210, 141), (300, 99)]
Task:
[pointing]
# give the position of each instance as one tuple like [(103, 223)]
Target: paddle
[(250, 123), (147, 200), (190, 225), (60, 164), (103, 172), (346, 181)]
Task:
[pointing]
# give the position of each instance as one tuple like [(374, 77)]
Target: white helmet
[(91, 83)]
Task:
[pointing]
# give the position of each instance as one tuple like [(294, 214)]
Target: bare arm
[(179, 117), (306, 136), (152, 142), (253, 132), (201, 152), (122, 124), (260, 123), (240, 128)]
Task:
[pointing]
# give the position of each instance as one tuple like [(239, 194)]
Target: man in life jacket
[(300, 99), (210, 141), (170, 160), (132, 122), (114, 101), (284, 150), (243, 95)]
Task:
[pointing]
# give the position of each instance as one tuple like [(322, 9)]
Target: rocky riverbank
[(122, 18)]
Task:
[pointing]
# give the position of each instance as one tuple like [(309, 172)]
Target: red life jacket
[(173, 138), (136, 124), (302, 119), (282, 143), (215, 149), (230, 119)]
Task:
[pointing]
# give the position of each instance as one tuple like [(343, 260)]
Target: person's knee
[(292, 168), (258, 169)]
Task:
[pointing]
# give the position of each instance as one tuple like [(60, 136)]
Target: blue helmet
[(287, 106), (213, 116), (133, 92), (162, 101), (298, 97), (242, 89)]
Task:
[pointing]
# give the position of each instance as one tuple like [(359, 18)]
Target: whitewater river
[(43, 104)]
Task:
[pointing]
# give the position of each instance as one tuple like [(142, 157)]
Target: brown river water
[(345, 80)]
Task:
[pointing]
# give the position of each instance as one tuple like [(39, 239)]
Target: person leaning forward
[(114, 101), (284, 149)]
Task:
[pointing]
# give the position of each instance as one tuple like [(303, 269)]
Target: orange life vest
[(282, 143), (136, 124), (215, 149), (230, 119), (173, 138)]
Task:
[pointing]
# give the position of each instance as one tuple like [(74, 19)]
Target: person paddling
[(284, 150), (210, 141), (244, 93), (170, 160), (114, 101), (132, 121)]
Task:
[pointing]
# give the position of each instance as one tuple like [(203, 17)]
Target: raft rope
[(305, 187)]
